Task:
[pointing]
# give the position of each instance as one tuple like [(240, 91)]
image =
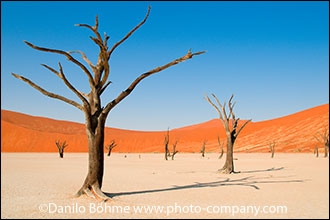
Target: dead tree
[(110, 147), (166, 142), (174, 151), (221, 147), (95, 113), (203, 148), (316, 150), (324, 140), (272, 148), (60, 147), (231, 127)]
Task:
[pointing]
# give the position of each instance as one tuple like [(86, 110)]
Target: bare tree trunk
[(326, 151), (229, 164), (93, 182), (316, 151), (203, 148), (166, 142), (221, 147), (61, 154), (174, 149)]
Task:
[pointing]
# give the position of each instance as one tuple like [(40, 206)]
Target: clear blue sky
[(274, 56)]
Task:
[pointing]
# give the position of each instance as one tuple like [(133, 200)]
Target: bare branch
[(106, 69), (106, 85), (129, 34), (69, 85), (49, 94), (144, 75), (222, 107), (242, 127), (69, 57), (208, 99), (51, 69), (59, 75), (86, 59)]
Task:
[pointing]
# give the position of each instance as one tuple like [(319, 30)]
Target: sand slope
[(293, 133)]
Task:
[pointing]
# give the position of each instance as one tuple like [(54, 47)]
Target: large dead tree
[(324, 140), (60, 146), (95, 113), (231, 127)]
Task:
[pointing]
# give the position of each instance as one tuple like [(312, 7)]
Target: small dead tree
[(324, 140), (221, 147), (174, 151), (110, 147), (166, 142), (203, 148), (60, 147), (316, 150), (95, 113), (231, 126), (272, 148)]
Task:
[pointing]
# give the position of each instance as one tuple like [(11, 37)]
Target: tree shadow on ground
[(250, 181), (266, 170)]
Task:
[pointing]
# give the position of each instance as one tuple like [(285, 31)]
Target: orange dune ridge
[(293, 133)]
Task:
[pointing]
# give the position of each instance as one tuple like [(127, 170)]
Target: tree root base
[(227, 171), (93, 192)]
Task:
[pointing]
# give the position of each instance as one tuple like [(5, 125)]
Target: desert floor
[(41, 185)]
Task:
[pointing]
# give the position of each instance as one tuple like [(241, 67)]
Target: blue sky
[(274, 56)]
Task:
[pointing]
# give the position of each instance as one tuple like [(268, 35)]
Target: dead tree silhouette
[(166, 143), (272, 148), (60, 146), (110, 147), (203, 148), (316, 150), (174, 152), (324, 140)]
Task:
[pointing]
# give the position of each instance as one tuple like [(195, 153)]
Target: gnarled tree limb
[(69, 85), (69, 57), (125, 93), (86, 59), (49, 94)]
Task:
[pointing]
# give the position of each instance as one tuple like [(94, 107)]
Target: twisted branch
[(69, 57), (49, 94), (125, 93)]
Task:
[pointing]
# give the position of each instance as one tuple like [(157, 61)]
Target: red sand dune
[(293, 133)]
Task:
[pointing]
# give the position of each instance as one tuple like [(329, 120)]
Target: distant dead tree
[(272, 148), (60, 146), (95, 113), (166, 143), (110, 147), (203, 148), (324, 140), (174, 149), (232, 130), (221, 147), (316, 150)]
